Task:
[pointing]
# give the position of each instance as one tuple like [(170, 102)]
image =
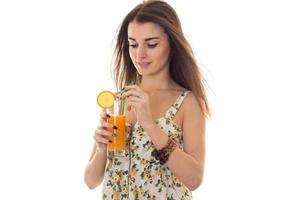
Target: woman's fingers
[(130, 105), (104, 124), (128, 128), (104, 116), (100, 139), (134, 99), (103, 132), (135, 102), (133, 91), (103, 121), (101, 135)]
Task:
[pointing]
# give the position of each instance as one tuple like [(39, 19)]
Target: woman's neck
[(158, 83)]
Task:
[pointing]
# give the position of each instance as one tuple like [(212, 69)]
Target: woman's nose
[(141, 52)]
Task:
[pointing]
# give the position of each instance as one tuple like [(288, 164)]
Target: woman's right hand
[(102, 133)]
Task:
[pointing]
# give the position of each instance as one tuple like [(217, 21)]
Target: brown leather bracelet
[(163, 154)]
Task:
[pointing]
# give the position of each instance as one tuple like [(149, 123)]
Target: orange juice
[(118, 145)]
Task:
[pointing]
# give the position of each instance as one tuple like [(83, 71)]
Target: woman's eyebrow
[(146, 39)]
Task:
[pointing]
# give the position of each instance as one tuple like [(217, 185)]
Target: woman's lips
[(143, 64)]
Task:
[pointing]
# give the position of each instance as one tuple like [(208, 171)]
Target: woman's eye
[(133, 45), (152, 45)]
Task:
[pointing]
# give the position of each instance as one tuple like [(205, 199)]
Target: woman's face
[(149, 48)]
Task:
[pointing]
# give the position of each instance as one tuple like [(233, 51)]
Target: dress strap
[(176, 105)]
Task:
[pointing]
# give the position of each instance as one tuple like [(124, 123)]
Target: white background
[(55, 57)]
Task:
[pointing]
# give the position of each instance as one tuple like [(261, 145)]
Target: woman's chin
[(142, 71)]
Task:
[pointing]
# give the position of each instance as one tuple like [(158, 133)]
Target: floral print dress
[(139, 175)]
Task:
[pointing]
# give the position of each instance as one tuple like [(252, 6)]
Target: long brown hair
[(183, 66)]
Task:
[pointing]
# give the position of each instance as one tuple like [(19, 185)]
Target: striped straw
[(124, 101)]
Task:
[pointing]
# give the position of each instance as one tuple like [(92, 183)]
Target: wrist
[(162, 155), (101, 152)]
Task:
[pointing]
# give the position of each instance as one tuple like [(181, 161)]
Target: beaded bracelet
[(163, 154)]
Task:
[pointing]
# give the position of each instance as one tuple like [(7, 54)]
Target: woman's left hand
[(139, 100)]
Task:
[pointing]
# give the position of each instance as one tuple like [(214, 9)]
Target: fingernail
[(114, 127), (107, 115), (131, 82), (121, 92), (110, 141)]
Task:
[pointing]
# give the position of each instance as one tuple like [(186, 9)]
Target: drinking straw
[(115, 107), (124, 101), (119, 106)]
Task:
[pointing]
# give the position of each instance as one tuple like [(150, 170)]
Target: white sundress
[(139, 175)]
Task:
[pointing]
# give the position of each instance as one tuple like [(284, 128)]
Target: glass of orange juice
[(117, 118)]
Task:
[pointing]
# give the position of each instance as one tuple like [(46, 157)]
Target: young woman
[(167, 108)]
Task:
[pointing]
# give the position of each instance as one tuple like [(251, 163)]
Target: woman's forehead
[(144, 31)]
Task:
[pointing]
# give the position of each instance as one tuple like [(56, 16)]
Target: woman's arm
[(187, 165), (95, 168)]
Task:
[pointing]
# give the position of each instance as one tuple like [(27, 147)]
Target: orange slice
[(105, 99)]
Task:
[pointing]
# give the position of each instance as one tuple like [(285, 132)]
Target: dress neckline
[(157, 119)]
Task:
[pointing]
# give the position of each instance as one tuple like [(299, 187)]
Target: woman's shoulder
[(190, 102)]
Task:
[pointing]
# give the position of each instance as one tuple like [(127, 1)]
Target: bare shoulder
[(191, 104)]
